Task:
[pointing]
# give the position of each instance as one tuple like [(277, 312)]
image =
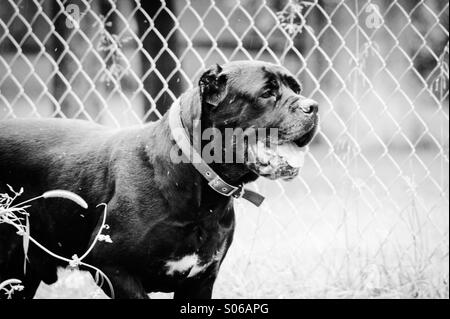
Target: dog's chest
[(191, 265)]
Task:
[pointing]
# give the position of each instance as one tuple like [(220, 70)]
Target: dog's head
[(265, 98)]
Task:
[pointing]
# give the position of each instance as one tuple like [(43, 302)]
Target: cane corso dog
[(170, 228)]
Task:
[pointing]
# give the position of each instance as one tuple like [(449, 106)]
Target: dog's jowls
[(170, 231)]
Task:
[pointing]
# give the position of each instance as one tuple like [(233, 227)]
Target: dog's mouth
[(279, 161), (306, 138)]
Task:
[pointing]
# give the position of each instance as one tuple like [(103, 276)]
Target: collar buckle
[(239, 192), (220, 186)]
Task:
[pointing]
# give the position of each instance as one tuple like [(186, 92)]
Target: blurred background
[(367, 217)]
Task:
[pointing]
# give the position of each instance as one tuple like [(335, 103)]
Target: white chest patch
[(189, 263)]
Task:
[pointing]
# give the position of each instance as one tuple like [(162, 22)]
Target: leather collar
[(214, 180)]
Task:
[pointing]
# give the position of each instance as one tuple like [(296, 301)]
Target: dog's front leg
[(124, 284), (198, 287)]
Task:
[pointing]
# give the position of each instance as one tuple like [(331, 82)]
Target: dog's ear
[(213, 85)]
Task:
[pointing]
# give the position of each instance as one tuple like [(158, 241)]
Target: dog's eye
[(268, 94)]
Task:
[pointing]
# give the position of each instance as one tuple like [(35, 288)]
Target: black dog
[(170, 228)]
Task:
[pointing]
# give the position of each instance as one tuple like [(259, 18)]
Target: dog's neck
[(191, 111), (183, 177)]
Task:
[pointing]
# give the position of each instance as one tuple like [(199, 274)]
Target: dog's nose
[(309, 106)]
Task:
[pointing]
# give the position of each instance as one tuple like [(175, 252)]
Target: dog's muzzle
[(285, 158)]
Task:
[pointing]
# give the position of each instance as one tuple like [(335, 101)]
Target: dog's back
[(36, 135), (41, 155), (27, 146)]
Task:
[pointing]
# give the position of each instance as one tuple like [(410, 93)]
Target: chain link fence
[(368, 216)]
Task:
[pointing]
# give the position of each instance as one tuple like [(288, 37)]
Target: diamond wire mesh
[(368, 215)]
